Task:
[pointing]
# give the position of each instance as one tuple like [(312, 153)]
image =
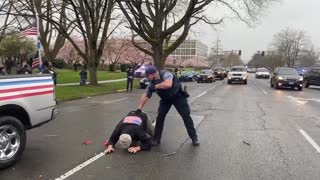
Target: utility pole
[(218, 61)]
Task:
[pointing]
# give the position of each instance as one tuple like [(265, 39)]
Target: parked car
[(220, 72), (26, 102), (262, 73), (286, 77), (188, 77), (140, 72), (144, 82), (238, 74), (312, 77), (206, 75)]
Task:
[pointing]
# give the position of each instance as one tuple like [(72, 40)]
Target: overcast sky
[(298, 14)]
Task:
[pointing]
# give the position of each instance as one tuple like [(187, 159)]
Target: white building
[(191, 49)]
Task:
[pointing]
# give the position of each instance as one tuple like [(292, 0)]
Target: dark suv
[(286, 77), (206, 75), (312, 77), (220, 72)]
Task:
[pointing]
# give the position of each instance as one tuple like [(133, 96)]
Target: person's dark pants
[(182, 106), (55, 81), (83, 81), (129, 83)]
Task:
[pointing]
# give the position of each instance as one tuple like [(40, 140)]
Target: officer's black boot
[(155, 142), (195, 142)]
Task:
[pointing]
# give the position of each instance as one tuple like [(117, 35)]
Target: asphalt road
[(246, 132)]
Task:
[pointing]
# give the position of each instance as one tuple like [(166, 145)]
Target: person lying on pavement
[(134, 132)]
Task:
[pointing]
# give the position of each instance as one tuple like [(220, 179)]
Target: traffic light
[(262, 54), (240, 52)]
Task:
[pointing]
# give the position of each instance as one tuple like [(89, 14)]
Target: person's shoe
[(155, 142), (195, 142)]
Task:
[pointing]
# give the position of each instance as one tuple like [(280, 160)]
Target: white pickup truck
[(26, 102)]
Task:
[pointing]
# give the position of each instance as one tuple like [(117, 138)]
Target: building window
[(193, 52), (178, 52), (188, 52), (183, 52)]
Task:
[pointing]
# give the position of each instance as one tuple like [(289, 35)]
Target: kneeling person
[(133, 132)]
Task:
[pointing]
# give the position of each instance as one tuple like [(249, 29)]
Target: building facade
[(190, 52)]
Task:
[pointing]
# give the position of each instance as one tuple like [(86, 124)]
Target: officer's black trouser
[(182, 106), (129, 83)]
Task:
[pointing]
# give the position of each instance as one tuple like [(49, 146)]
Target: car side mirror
[(275, 74)]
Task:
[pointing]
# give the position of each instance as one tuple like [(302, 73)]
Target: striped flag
[(36, 60), (30, 31), (17, 88)]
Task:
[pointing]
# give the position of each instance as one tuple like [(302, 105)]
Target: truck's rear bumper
[(53, 116), (54, 113)]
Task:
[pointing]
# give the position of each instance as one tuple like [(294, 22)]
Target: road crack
[(283, 159), (263, 117)]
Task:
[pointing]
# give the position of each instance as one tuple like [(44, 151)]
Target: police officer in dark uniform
[(169, 89)]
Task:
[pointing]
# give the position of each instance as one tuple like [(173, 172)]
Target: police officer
[(169, 89)]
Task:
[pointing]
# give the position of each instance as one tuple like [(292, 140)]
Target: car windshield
[(206, 71), (218, 69), (288, 72), (238, 69), (187, 73), (263, 70)]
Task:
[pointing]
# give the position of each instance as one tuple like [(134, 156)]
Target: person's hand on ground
[(134, 149), (109, 150)]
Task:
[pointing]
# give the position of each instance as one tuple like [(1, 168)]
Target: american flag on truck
[(17, 88)]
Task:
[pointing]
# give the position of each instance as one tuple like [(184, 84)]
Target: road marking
[(310, 140), (109, 102), (203, 93), (265, 92), (309, 99), (80, 166), (299, 102)]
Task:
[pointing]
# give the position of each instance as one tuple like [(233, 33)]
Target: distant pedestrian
[(130, 77), (25, 70), (45, 68), (176, 71), (54, 74), (2, 71), (83, 77)]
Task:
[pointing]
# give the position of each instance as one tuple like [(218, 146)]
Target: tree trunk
[(93, 75), (112, 67), (158, 56)]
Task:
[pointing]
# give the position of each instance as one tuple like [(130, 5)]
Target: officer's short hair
[(151, 70)]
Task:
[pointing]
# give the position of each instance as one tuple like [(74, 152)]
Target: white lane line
[(80, 166), (265, 92), (310, 140), (198, 96), (299, 102), (117, 100), (203, 93)]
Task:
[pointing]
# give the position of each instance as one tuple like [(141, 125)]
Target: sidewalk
[(100, 82)]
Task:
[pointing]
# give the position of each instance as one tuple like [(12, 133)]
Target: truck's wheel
[(12, 140)]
